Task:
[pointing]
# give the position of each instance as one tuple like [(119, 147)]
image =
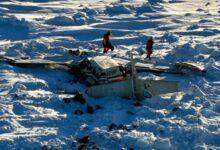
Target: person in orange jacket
[(149, 47), (106, 43)]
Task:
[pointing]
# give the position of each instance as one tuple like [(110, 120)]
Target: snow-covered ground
[(33, 110)]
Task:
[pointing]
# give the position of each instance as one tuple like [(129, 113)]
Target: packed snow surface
[(34, 111)]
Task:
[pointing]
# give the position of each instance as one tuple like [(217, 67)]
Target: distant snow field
[(36, 108)]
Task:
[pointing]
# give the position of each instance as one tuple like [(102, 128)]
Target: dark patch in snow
[(112, 127), (77, 98), (200, 9), (138, 104), (86, 143), (175, 109), (89, 109)]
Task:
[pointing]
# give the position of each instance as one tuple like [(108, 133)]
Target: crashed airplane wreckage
[(133, 87), (107, 77)]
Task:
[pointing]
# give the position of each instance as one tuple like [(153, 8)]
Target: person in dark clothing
[(106, 43), (149, 47)]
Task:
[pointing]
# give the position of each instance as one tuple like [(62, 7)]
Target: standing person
[(106, 43), (149, 47)]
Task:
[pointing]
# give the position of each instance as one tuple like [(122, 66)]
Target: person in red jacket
[(106, 43), (149, 47)]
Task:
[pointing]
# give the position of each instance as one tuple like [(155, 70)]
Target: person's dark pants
[(149, 52), (107, 47)]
